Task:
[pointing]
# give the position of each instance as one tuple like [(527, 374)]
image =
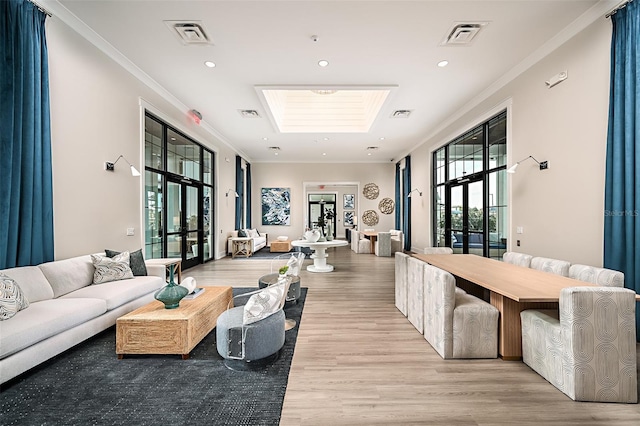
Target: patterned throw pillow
[(11, 298), (136, 262), (242, 233), (111, 269), (263, 304)]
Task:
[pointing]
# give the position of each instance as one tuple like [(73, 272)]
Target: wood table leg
[(185, 356), (120, 356), (509, 325)]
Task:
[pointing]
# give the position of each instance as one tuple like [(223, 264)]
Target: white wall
[(561, 209), (95, 117), (287, 175)]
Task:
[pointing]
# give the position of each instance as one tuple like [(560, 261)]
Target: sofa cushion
[(136, 261), (11, 298), (45, 319), (68, 275), (117, 293), (111, 269), (32, 282), (263, 304)]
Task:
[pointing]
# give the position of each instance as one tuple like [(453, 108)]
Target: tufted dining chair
[(520, 259), (598, 276), (588, 351), (553, 266)]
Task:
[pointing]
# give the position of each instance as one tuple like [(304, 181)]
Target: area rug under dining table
[(88, 385)]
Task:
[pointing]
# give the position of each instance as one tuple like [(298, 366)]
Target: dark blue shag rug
[(88, 385)]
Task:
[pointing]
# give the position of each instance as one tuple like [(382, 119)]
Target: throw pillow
[(263, 304), (111, 269), (253, 233), (242, 233), (11, 298), (136, 262)]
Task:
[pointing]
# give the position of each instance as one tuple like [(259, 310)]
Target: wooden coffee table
[(152, 329)]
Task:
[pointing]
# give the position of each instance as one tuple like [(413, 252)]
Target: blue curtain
[(248, 215), (406, 223), (239, 186), (622, 184), (26, 194), (398, 197)]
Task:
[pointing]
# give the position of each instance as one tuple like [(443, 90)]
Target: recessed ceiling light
[(443, 64), (265, 139), (324, 153), (172, 138), (382, 138), (325, 139), (323, 63), (275, 153), (209, 64), (368, 153)]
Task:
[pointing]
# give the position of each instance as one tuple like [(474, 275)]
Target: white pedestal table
[(319, 255)]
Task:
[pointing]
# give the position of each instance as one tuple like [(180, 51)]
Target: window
[(469, 191), (179, 195)]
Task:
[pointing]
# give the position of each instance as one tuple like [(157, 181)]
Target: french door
[(466, 216), (184, 216)]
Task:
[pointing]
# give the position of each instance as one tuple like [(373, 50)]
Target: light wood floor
[(358, 360)]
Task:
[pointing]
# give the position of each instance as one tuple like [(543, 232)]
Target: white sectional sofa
[(65, 308)]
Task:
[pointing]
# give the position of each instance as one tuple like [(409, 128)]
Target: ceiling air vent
[(401, 113), (188, 32), (462, 33), (249, 113), (273, 148)]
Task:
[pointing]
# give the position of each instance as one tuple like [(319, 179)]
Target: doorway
[(322, 213), (466, 214), (184, 216)]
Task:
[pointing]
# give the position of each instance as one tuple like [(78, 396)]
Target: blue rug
[(88, 385)]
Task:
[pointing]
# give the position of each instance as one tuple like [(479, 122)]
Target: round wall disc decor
[(371, 191), (370, 218), (386, 205)]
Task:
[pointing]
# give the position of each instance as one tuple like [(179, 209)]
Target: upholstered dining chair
[(401, 282), (397, 241), (588, 351), (383, 244), (520, 259), (253, 332), (553, 266), (599, 276), (438, 250), (457, 324), (359, 244)]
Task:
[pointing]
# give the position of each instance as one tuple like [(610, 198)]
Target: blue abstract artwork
[(276, 206)]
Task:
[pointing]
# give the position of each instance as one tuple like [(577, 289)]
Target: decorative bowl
[(282, 238)]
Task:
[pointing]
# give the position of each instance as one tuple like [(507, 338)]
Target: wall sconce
[(543, 165), (110, 166), (231, 191), (414, 190)]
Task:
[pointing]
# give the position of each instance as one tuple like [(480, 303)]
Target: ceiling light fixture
[(323, 63), (324, 153), (324, 91), (543, 165), (382, 138), (210, 64), (265, 138), (443, 64)]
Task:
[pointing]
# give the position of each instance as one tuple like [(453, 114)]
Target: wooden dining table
[(511, 288)]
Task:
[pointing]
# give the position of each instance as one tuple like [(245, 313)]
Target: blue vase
[(172, 293)]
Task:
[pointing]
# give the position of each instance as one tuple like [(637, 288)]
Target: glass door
[(322, 213), (467, 217), (185, 231)]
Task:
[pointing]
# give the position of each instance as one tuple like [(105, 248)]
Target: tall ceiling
[(395, 45)]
